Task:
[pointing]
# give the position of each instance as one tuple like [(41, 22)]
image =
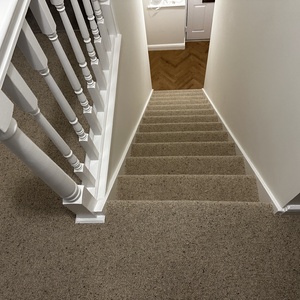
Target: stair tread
[(179, 112), (183, 91), (189, 143), (183, 148), (178, 106), (168, 101), (179, 136), (235, 157), (185, 165), (189, 176), (169, 127), (179, 119)]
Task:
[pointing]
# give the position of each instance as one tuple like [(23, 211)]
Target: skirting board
[(100, 206), (159, 47), (278, 209)]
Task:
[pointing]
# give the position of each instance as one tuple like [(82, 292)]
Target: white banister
[(87, 200), (77, 198), (37, 59), (95, 63), (84, 138), (17, 90), (39, 162), (102, 25), (12, 14), (92, 86), (47, 25), (102, 54)]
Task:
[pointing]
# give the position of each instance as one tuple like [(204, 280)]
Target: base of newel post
[(84, 219), (84, 206)]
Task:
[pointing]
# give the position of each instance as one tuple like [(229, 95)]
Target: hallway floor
[(179, 69)]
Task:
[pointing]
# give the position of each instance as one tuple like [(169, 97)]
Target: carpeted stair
[(186, 222), (181, 152)]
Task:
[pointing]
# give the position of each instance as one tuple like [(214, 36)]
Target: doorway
[(199, 19)]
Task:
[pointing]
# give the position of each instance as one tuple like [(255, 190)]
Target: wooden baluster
[(47, 25), (76, 197), (101, 25), (38, 60), (95, 64), (34, 54), (12, 137), (103, 56), (16, 88), (93, 86)]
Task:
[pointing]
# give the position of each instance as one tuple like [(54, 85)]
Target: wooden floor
[(179, 69)]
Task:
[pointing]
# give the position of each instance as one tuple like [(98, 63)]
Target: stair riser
[(201, 187), (185, 165), (177, 101), (179, 106), (179, 112), (179, 119), (178, 92), (180, 127), (183, 149), (181, 137)]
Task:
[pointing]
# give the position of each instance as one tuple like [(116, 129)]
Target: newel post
[(77, 198), (12, 137)]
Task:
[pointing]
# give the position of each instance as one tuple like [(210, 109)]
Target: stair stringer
[(106, 192), (99, 167)]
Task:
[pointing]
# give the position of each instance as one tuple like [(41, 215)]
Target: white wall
[(165, 27), (253, 79), (134, 81)]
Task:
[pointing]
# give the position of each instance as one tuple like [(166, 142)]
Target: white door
[(199, 20)]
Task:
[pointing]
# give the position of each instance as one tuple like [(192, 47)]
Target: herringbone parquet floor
[(179, 69)]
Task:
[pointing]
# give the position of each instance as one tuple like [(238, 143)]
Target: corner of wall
[(265, 194)]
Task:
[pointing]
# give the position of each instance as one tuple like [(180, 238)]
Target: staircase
[(186, 222), (182, 153), (164, 238)]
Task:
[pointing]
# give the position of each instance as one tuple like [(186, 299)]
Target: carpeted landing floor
[(186, 222)]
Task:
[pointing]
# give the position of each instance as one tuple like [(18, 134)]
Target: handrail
[(12, 15)]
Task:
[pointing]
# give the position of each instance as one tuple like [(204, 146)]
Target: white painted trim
[(157, 7), (99, 167), (108, 122), (166, 4), (101, 202), (9, 39), (159, 47), (81, 219), (278, 209), (289, 209)]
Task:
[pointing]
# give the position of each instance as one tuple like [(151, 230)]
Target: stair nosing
[(238, 157), (178, 116), (176, 132), (205, 142), (188, 175), (186, 123)]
